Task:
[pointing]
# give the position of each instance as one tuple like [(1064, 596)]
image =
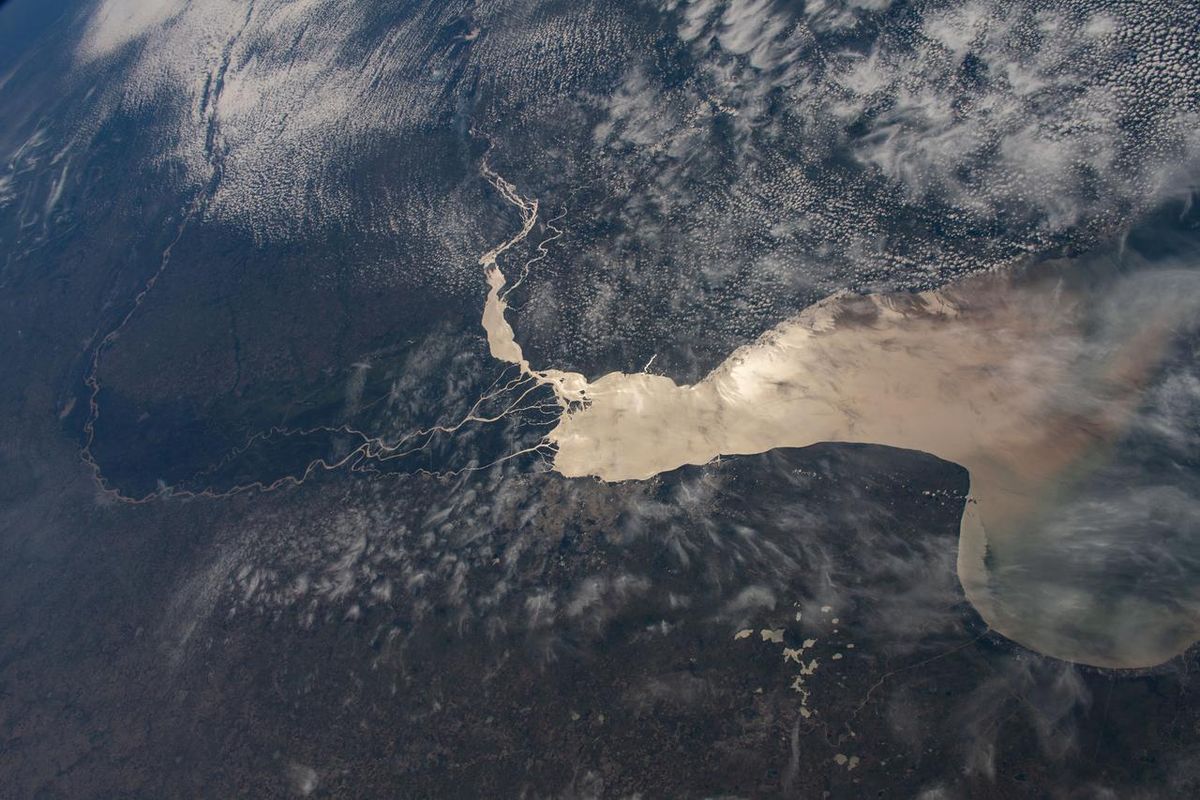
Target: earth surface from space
[(543, 399)]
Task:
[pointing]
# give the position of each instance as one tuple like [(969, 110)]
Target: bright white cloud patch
[(273, 95), (117, 23)]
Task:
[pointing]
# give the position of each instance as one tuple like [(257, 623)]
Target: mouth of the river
[(1025, 377)]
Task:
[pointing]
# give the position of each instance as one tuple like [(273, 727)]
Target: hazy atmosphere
[(599, 400)]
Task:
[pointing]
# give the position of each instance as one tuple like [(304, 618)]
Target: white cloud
[(116, 23), (277, 93)]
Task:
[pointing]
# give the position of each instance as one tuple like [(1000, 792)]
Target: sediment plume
[(1025, 377)]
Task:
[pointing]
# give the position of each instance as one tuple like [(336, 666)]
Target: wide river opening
[(1025, 377)]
